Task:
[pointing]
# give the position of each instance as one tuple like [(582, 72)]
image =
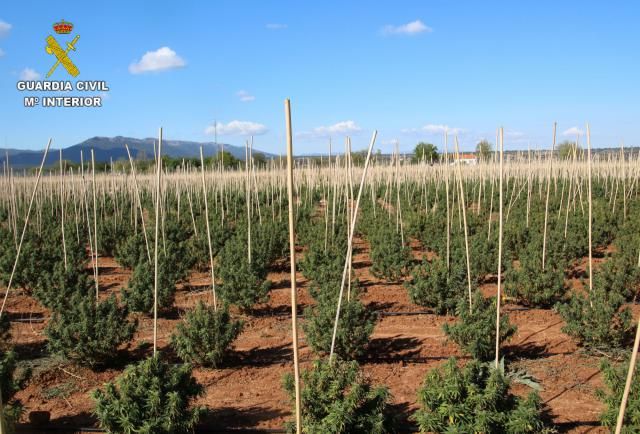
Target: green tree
[(484, 149), (259, 160), (567, 148), (425, 152)]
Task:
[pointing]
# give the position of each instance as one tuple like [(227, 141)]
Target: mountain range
[(112, 148)]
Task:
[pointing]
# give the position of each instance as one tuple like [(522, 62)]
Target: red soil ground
[(247, 393)]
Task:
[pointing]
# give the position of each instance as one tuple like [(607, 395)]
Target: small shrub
[(138, 297), (205, 335), (109, 234), (9, 385), (337, 398), (597, 321), (389, 258), (475, 332), (621, 275), (57, 288), (243, 283), (323, 266), (475, 399), (354, 328), (132, 250), (484, 256), (87, 332), (151, 396), (615, 377), (432, 285), (5, 331), (532, 286)]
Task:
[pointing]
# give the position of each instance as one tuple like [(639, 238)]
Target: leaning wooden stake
[(64, 243), (24, 230), (292, 253), (627, 385), (95, 224), (135, 185), (464, 217), (155, 249), (206, 217), (350, 245), (499, 297), (546, 204), (590, 218)]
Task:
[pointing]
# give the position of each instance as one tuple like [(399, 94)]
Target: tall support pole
[(95, 224), (350, 245), (206, 217), (139, 202), (499, 292), (464, 216), (155, 249), (62, 198), (292, 253), (546, 204), (24, 228), (590, 210)]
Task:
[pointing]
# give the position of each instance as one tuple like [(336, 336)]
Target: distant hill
[(107, 148)]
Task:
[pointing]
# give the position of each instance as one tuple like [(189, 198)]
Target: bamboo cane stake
[(24, 230), (155, 249), (95, 223), (499, 291), (292, 253), (546, 205), (627, 385), (446, 180), (350, 244), (62, 199), (139, 202), (464, 216), (206, 215), (590, 210), (248, 200)]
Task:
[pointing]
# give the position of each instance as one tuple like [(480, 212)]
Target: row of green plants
[(155, 395)]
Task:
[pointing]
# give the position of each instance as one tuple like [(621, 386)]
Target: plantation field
[(418, 288), (246, 393)]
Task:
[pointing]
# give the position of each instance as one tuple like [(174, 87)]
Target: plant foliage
[(205, 335), (337, 398), (475, 399), (150, 397)]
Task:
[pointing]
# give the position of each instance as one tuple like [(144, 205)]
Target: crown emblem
[(63, 27)]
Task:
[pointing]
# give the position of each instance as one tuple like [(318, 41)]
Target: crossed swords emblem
[(62, 55)]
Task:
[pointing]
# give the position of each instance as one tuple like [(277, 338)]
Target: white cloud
[(1, 52), (160, 60), (5, 28), (433, 129), (412, 28), (237, 128), (245, 96), (344, 127), (276, 26), (573, 131), (28, 74)]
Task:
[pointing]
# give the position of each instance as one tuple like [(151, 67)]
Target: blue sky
[(409, 69)]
